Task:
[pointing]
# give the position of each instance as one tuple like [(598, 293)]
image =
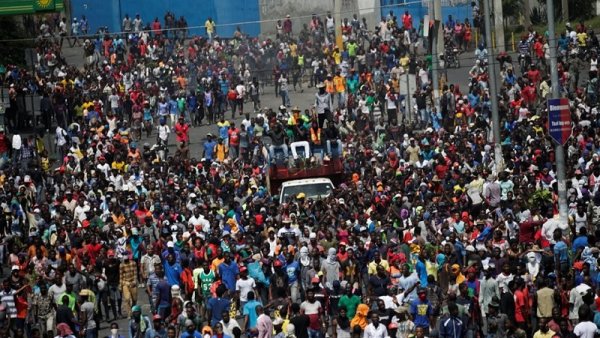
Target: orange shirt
[(215, 264), (339, 84)]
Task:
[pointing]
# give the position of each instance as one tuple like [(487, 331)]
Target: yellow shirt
[(293, 50), (118, 165), (404, 61), (339, 84), (210, 26), (337, 57), (373, 266), (221, 152)]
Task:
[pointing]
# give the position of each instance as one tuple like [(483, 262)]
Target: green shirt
[(72, 300), (206, 280), (352, 47), (350, 303)]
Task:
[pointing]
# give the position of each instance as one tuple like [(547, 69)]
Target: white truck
[(319, 187)]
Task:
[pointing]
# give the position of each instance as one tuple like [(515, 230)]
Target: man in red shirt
[(407, 20), (182, 131), (234, 141)]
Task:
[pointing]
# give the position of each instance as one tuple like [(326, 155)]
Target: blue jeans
[(338, 147), (283, 148), (314, 333), (285, 98)]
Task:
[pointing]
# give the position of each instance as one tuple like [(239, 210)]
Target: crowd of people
[(427, 235)]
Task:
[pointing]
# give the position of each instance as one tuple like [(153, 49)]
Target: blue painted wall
[(418, 10), (227, 13)]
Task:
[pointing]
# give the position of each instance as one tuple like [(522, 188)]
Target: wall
[(459, 9), (302, 10), (226, 13)]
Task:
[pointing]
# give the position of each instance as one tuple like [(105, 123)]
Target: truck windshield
[(311, 190)]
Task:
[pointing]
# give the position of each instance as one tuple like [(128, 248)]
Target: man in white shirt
[(586, 328), (244, 285), (375, 329)]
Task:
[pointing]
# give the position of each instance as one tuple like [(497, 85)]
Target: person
[(138, 324), (264, 324), (586, 328), (114, 331), (421, 309), (452, 326), (216, 306), (190, 330), (375, 329), (249, 311), (544, 330), (211, 28), (64, 331), (128, 281), (87, 321)]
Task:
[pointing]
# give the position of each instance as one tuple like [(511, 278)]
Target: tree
[(14, 41)]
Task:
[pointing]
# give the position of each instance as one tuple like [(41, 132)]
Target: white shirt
[(241, 90), (163, 132), (60, 137), (244, 287), (80, 212), (585, 330), (375, 332), (16, 142)]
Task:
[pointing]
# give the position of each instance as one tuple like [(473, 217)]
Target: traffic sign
[(560, 126)]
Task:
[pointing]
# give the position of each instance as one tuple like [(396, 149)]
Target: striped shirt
[(8, 298), (127, 273)]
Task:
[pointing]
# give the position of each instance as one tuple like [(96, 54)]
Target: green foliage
[(512, 8), (581, 9), (12, 52), (540, 198), (538, 16)]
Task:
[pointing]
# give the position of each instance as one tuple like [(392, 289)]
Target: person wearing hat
[(86, 314), (494, 322), (323, 104), (139, 324)]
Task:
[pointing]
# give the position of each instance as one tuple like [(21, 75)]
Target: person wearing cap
[(139, 324), (87, 321), (494, 322), (244, 285)]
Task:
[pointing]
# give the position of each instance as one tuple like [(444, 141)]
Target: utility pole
[(559, 150), (337, 17), (498, 27), (435, 12), (408, 95), (499, 160)]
